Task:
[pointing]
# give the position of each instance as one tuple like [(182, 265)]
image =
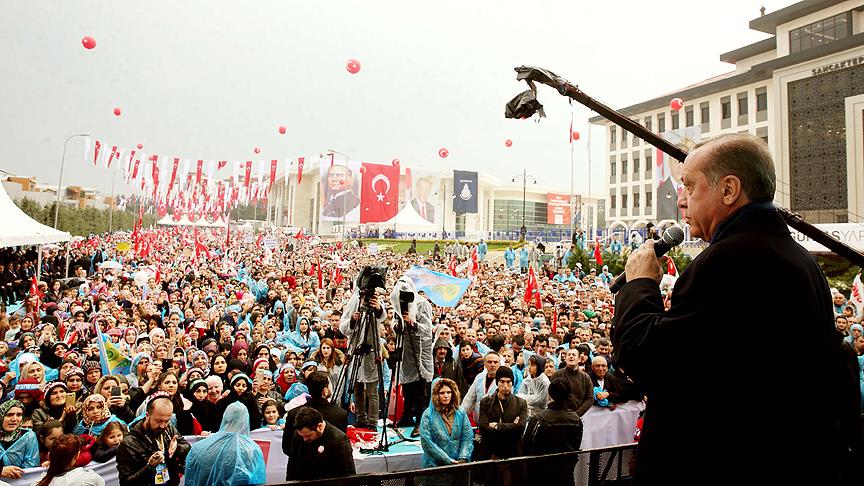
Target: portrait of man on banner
[(421, 200), (667, 172), (340, 191)]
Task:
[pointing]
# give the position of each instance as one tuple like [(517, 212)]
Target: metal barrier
[(591, 467)]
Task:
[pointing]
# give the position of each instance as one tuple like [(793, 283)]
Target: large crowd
[(225, 334)]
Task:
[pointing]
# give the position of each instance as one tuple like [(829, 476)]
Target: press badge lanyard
[(162, 476)]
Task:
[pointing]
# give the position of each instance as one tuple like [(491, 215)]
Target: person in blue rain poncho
[(228, 456), (509, 256), (19, 448), (305, 338), (95, 416), (445, 432)]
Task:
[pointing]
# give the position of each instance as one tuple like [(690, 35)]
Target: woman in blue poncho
[(19, 448), (305, 337), (95, 415), (445, 432), (228, 456)]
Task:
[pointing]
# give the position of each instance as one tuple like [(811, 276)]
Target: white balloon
[(141, 278)]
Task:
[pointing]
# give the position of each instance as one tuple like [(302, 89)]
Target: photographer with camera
[(363, 320), (413, 326)]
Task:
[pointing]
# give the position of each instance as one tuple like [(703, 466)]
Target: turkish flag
[(300, 162), (273, 172), (532, 290), (248, 173), (173, 173), (598, 258), (199, 167), (379, 195)]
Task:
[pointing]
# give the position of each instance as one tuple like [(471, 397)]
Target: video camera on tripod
[(369, 279)]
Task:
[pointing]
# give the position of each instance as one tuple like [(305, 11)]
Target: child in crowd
[(272, 420), (49, 432), (106, 445)]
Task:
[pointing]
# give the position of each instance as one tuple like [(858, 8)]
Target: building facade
[(800, 90), (501, 208)]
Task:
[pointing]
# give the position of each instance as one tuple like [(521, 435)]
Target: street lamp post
[(344, 200), (525, 178), (60, 180)]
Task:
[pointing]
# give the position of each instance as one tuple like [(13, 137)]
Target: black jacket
[(779, 429), (556, 429), (581, 390), (333, 415), (505, 440), (450, 368), (136, 449), (328, 457), (611, 384)]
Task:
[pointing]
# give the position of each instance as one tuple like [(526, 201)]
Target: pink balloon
[(117, 111), (88, 42), (508, 142), (443, 153), (575, 135), (257, 150), (395, 162), (676, 104), (140, 146), (282, 130), (353, 66)]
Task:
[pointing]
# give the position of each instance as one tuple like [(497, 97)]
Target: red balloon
[(282, 130), (88, 42), (140, 146), (575, 135), (676, 104), (443, 153), (353, 66), (257, 150), (395, 162), (362, 170), (508, 142), (117, 111)]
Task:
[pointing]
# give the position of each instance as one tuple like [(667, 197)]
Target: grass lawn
[(423, 247)]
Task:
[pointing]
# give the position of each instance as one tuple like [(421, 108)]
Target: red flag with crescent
[(379, 195)]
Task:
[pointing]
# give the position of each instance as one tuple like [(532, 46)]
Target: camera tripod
[(364, 341)]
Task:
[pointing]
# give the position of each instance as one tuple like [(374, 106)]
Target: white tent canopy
[(20, 229)]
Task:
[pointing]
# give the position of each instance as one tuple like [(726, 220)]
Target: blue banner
[(464, 191), (440, 288)]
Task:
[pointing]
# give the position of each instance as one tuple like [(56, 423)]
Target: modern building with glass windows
[(801, 90)]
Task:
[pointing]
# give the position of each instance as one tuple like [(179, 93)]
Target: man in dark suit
[(318, 450), (729, 187), (319, 391), (339, 198), (420, 202)]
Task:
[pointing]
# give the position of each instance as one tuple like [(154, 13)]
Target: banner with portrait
[(340, 190), (667, 171), (420, 196)]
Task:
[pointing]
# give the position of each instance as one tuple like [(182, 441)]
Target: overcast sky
[(214, 79)]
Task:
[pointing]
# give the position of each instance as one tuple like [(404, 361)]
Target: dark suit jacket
[(341, 205), (611, 384), (333, 414), (328, 457), (667, 207), (701, 417)]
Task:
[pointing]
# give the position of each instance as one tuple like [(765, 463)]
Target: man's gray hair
[(598, 359), (744, 156)]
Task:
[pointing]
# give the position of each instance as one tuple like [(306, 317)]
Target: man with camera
[(362, 323), (413, 324)]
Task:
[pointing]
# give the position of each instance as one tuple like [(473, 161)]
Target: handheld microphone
[(673, 236)]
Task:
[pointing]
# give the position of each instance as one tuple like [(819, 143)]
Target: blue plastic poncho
[(228, 456)]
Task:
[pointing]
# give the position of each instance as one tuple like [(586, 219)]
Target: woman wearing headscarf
[(304, 337), (19, 448), (95, 415), (445, 432), (54, 407), (241, 391), (535, 387), (228, 456)]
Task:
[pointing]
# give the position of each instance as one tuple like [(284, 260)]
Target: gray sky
[(214, 79)]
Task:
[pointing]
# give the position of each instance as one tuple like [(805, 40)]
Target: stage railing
[(591, 467)]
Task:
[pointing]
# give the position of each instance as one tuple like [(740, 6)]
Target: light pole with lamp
[(60, 180), (525, 178), (344, 200)]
